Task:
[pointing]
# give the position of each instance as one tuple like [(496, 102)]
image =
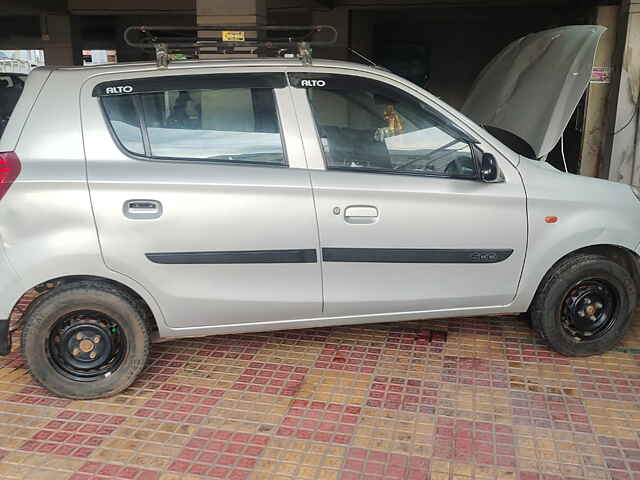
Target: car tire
[(85, 340), (584, 306)]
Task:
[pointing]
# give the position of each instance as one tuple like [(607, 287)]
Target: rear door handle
[(142, 209), (361, 214)]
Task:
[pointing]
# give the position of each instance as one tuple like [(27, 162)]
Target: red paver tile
[(184, 405), (351, 358), (532, 352), (395, 357), (408, 394), (13, 360), (97, 470), (297, 336), (240, 347), (595, 383), (320, 421), (468, 441), (475, 371), (416, 339), (621, 454), (73, 434), (35, 395), (361, 464), (218, 453), (271, 378), (549, 411)]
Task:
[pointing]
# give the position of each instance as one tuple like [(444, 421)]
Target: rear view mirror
[(489, 168)]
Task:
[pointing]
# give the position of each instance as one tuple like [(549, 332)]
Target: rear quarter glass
[(11, 85), (13, 129)]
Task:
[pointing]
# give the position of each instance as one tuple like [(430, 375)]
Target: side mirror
[(489, 168)]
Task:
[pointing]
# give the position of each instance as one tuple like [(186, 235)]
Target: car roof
[(91, 70)]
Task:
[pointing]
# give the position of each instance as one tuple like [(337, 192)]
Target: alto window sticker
[(118, 89), (312, 83)]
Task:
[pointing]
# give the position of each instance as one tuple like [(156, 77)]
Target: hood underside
[(533, 86)]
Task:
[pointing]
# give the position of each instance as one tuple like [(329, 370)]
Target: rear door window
[(227, 118)]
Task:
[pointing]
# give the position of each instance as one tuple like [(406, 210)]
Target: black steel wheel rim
[(86, 345), (589, 309)]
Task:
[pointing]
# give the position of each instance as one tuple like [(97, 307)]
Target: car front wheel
[(85, 340), (585, 305)]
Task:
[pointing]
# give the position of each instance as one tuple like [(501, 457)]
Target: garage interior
[(445, 50), (455, 399)]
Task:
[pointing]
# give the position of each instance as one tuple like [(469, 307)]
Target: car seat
[(349, 146)]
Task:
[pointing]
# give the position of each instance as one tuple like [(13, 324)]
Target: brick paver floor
[(458, 399)]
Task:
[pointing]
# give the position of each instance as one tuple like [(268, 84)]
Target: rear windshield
[(11, 86)]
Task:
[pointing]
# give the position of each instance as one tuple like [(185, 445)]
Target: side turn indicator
[(551, 219)]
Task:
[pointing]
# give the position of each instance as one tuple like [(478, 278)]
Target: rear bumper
[(5, 338)]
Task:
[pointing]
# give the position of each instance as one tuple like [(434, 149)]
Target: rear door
[(405, 223), (201, 194)]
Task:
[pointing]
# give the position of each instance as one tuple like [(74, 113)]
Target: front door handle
[(142, 209), (361, 214)]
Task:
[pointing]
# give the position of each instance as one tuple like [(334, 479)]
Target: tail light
[(9, 171)]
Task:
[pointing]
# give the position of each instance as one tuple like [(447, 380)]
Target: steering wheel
[(452, 167), (427, 156)]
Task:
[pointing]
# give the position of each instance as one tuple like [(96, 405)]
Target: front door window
[(369, 126)]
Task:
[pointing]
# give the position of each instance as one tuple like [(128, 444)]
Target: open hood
[(533, 86)]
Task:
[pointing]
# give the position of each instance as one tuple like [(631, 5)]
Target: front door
[(201, 194), (405, 223)]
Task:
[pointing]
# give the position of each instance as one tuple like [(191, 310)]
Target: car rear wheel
[(584, 306), (85, 340)]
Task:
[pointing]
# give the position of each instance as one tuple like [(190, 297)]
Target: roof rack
[(165, 39)]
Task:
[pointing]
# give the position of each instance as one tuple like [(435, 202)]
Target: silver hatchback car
[(234, 196)]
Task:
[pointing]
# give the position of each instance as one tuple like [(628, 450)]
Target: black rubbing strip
[(415, 255), (234, 257)]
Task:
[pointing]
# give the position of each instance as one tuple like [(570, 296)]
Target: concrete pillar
[(621, 148), (58, 48), (224, 12), (595, 124)]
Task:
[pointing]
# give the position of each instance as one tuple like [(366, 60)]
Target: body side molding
[(235, 257), (415, 255)]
